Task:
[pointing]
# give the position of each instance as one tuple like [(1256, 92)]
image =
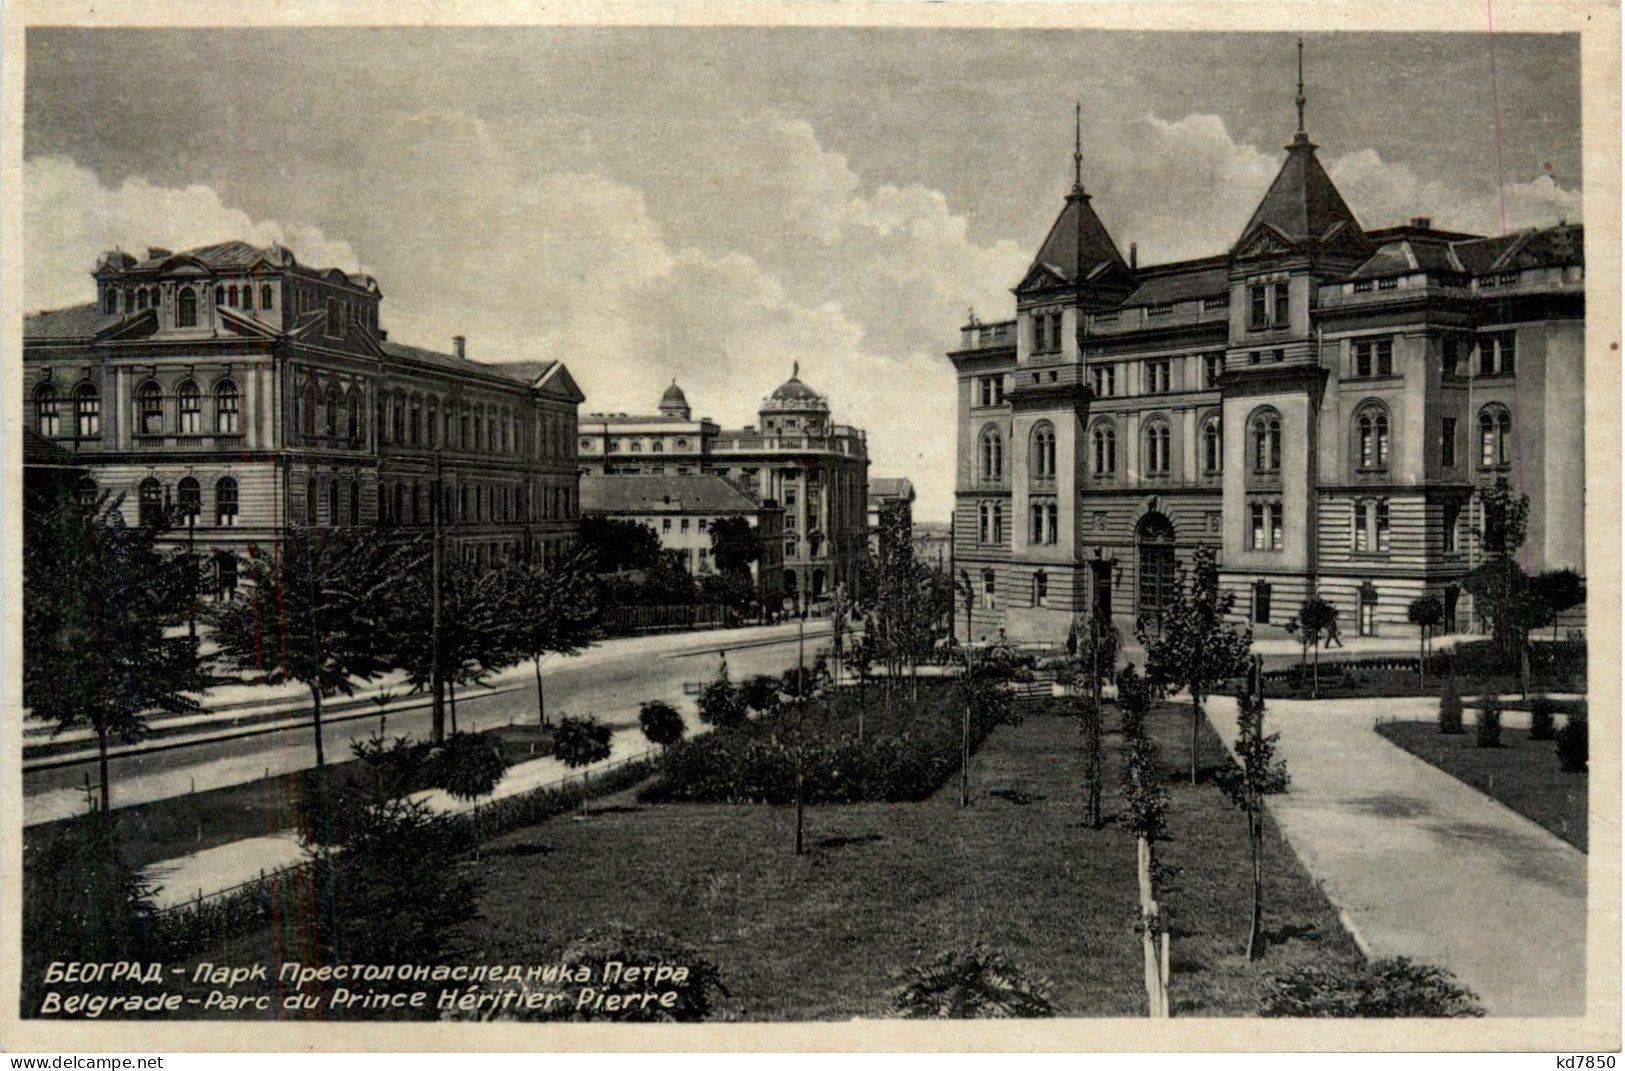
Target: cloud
[(69, 218)]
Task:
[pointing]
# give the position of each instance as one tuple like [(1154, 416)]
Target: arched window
[(307, 411), (1494, 436), (248, 297), (231, 296), (1266, 441), (149, 409), (1041, 463), (87, 412), (226, 406), (330, 419), (1212, 446), (141, 298), (154, 297), (186, 308), (189, 498), (992, 455), (189, 405), (225, 502), (47, 411), (1105, 444), (110, 301), (150, 500), (266, 296), (1371, 437), (219, 295), (1156, 449), (354, 421), (658, 447), (129, 302)]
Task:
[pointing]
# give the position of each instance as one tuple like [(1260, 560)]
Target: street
[(608, 681)]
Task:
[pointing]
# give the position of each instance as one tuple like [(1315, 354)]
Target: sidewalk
[(1420, 864)]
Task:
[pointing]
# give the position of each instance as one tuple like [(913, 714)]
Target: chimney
[(1134, 256), (460, 344), (1422, 223), (155, 253)]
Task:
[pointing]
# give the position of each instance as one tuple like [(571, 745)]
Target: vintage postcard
[(839, 526)]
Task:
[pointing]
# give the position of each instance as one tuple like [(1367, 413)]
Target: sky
[(712, 205)]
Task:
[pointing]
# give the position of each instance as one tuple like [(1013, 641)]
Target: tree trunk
[(316, 721), (1422, 657), (541, 701), (1196, 724), (1317, 670), (964, 741), (800, 807), (1156, 979), (451, 689), (1255, 837), (101, 761)]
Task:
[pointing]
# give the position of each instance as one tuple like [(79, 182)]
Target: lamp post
[(801, 714), (191, 563)]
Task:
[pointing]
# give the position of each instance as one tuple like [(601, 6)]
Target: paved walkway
[(1423, 866)]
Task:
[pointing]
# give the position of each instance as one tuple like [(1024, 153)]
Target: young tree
[(1425, 613), (470, 767), (1145, 813), (661, 722), (579, 742), (100, 600), (477, 623), (322, 608), (1094, 654), (1316, 618), (1257, 773), (1500, 589), (1560, 590), (550, 611), (1196, 648), (720, 703)]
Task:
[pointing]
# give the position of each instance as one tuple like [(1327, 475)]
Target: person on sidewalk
[(1332, 638)]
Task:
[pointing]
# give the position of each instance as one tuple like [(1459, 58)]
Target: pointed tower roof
[(1079, 248), (1302, 208)]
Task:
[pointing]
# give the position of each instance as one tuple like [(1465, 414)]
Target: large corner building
[(1320, 403), (243, 391)]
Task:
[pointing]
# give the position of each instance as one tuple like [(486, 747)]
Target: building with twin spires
[(1321, 403)]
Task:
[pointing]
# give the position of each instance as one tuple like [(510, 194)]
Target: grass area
[(181, 825), (1521, 773), (887, 885), (884, 886)]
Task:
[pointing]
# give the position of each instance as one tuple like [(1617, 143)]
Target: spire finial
[(795, 369), (1077, 147), (1300, 98)]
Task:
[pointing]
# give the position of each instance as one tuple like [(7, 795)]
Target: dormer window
[(110, 301), (266, 296), (335, 325)]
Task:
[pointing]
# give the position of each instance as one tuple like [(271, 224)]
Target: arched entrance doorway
[(1154, 547)]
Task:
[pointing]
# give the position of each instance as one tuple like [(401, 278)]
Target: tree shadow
[(521, 851), (1295, 932), (842, 842), (1019, 797)]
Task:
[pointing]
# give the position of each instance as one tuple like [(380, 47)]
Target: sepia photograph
[(557, 520)]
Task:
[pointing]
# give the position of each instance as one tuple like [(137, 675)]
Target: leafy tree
[(1560, 590), (470, 767), (720, 703), (1196, 648), (735, 545), (1256, 774), (476, 626), (760, 692), (549, 612), (1316, 620), (1500, 589), (1425, 613), (735, 591), (579, 742), (99, 602), (1146, 814), (321, 608), (620, 546), (661, 722)]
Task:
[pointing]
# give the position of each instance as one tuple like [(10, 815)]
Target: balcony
[(979, 336)]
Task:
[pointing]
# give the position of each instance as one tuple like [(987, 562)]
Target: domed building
[(796, 460)]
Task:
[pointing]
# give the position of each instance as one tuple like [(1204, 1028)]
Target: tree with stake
[(1256, 774), (1500, 589), (1145, 812), (1317, 618), (99, 599), (1425, 613), (579, 742), (1196, 648), (662, 723), (470, 767), (1094, 655), (1560, 591)]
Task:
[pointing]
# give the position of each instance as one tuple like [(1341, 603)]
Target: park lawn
[(885, 886), (180, 825), (1522, 773)]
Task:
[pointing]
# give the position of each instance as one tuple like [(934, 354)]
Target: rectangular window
[(1040, 333), (1212, 369), (1497, 353), (1258, 533), (1283, 304), (1447, 442), (1055, 331), (1382, 527), (685, 524), (989, 590), (1261, 602), (1362, 532), (1105, 378), (1385, 357), (1040, 589), (1254, 356), (1277, 528), (665, 524), (1266, 530), (1452, 521), (1260, 315), (1158, 376), (1448, 355), (702, 524)]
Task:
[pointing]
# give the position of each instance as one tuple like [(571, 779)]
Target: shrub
[(468, 766), (83, 902), (974, 983), (1542, 723), (720, 705), (1449, 708), (395, 893), (581, 741), (1384, 989), (760, 693), (1489, 721), (1574, 745), (661, 722)]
